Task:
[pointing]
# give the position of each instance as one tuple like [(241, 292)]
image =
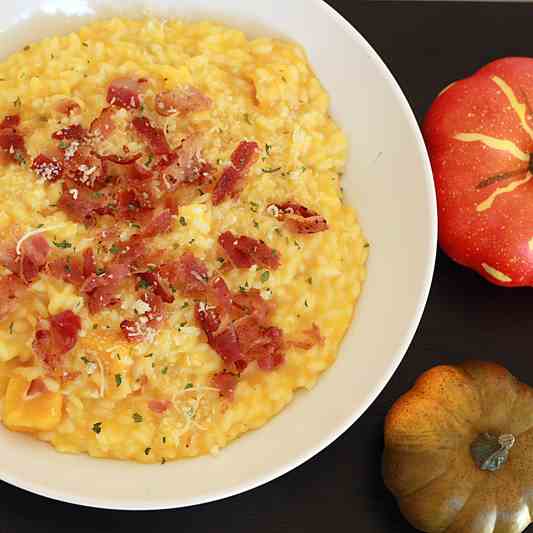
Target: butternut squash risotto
[(176, 257)]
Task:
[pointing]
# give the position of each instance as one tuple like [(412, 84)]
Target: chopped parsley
[(297, 244), (188, 386), (220, 260), (85, 360), (97, 427), (63, 145), (244, 288), (114, 249), (149, 355), (270, 170), (84, 44), (254, 207), (185, 305), (183, 222), (309, 280), (95, 326), (143, 284), (256, 224), (163, 460), (149, 160), (264, 276), (164, 370), (137, 418), (19, 157), (164, 440), (247, 118), (100, 271), (26, 48), (278, 231), (306, 304), (17, 102), (63, 244), (268, 149), (118, 380), (11, 328), (135, 225), (367, 245), (97, 194), (147, 451)]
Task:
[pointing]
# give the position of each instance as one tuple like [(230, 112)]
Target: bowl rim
[(396, 357)]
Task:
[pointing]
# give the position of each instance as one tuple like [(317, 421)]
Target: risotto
[(176, 257)]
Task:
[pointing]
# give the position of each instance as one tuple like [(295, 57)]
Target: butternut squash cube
[(41, 413)]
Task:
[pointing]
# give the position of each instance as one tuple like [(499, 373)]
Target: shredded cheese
[(35, 232), (102, 376)]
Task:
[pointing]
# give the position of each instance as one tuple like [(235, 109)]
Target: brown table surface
[(426, 45)]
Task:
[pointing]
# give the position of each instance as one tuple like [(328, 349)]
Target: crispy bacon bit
[(120, 160), (68, 107), (74, 132), (132, 330), (159, 285), (245, 155), (33, 253), (221, 293), (101, 290), (84, 167), (186, 99), (51, 344), (67, 269), (314, 337), (89, 266), (11, 288), (131, 251), (242, 159), (251, 303), (12, 144), (189, 274), (155, 137), (226, 383), (103, 126), (299, 219), (160, 223), (10, 121), (159, 406), (125, 92), (36, 388), (245, 251), (46, 168), (81, 205)]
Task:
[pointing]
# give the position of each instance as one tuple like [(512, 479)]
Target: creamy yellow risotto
[(176, 256)]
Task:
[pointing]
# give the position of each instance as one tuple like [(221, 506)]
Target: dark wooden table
[(426, 45)]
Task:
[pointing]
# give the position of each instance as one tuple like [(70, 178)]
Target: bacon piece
[(132, 330), (68, 270), (46, 168), (85, 167), (33, 253), (314, 337), (245, 251), (135, 202), (242, 159), (186, 99), (120, 160), (159, 285), (81, 205), (188, 273), (68, 107), (159, 406), (156, 313), (12, 144), (103, 126), (51, 344), (221, 294), (260, 343), (75, 132), (36, 388), (299, 219), (160, 223), (11, 288), (244, 156), (251, 303), (89, 266), (125, 92), (155, 137), (226, 383), (131, 251), (101, 290), (10, 121)]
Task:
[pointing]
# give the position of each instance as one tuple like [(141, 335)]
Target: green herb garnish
[(164, 370), (147, 451), (268, 149), (143, 284), (11, 328), (114, 249), (270, 170), (137, 418), (63, 244), (188, 386), (118, 380), (264, 276), (254, 207), (183, 222), (97, 427)]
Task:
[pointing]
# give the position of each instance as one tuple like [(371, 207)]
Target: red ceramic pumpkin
[(479, 133)]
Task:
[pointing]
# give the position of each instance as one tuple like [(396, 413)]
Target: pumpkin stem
[(490, 452)]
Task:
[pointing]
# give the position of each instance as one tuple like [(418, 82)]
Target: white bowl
[(389, 181)]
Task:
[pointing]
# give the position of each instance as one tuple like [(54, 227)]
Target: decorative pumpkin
[(479, 134), (459, 450)]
